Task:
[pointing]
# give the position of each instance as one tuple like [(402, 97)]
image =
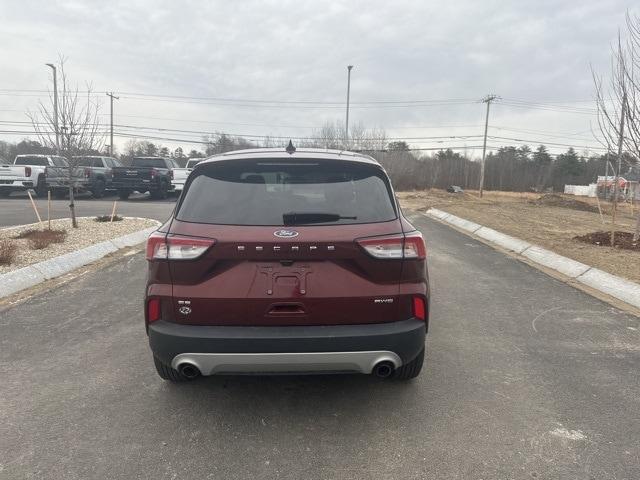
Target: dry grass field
[(551, 222)]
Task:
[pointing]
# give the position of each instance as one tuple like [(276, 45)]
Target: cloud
[(293, 50)]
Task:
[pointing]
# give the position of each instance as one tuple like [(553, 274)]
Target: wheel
[(124, 193), (412, 369), (98, 189), (161, 192), (168, 373), (41, 187), (59, 193)]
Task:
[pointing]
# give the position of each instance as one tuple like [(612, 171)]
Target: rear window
[(59, 161), (193, 163), (261, 192), (148, 162), (31, 160), (90, 162)]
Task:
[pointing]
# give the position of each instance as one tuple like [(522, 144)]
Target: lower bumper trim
[(300, 362)]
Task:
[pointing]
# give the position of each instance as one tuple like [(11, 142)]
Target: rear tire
[(41, 187), (60, 193), (98, 189), (161, 193), (412, 369), (5, 192), (124, 194), (167, 373)]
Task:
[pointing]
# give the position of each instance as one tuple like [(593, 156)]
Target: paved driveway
[(525, 378), (17, 210)]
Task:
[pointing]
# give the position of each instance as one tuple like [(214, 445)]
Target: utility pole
[(346, 123), (616, 186), (111, 97), (55, 105), (488, 99)]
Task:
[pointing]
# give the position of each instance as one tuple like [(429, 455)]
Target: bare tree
[(618, 105), (79, 130), (332, 135)]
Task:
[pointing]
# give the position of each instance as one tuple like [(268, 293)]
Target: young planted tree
[(618, 103), (76, 130)]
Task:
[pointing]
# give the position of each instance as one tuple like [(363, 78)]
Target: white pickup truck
[(38, 172), (180, 174)]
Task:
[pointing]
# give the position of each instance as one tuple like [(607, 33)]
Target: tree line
[(509, 168)]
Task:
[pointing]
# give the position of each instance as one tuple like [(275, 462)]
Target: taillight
[(87, 172), (383, 247), (27, 171), (414, 246), (419, 308), (153, 310), (163, 247), (154, 172), (410, 245), (171, 174), (156, 246)]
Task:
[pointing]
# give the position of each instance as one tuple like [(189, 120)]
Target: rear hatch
[(142, 171), (9, 173), (280, 243), (180, 174), (133, 174)]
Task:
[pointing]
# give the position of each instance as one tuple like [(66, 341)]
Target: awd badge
[(184, 309)]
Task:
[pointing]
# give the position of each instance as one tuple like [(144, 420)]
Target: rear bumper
[(81, 183), (178, 186), (344, 348), (16, 184), (138, 185)]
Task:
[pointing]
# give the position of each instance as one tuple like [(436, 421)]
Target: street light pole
[(55, 106), (111, 97), (346, 128)]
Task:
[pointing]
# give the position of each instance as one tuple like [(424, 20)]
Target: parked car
[(38, 172), (287, 262), (145, 174), (180, 174), (98, 171)]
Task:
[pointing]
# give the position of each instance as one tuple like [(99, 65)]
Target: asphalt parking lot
[(17, 209), (525, 377)]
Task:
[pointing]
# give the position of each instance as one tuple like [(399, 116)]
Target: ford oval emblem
[(286, 233)]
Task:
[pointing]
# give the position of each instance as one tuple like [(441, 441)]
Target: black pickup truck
[(145, 174)]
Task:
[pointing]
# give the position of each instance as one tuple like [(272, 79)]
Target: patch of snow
[(568, 434)]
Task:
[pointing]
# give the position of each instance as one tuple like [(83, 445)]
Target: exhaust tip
[(383, 369), (189, 371)]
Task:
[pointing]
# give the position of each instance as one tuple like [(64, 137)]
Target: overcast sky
[(536, 51)]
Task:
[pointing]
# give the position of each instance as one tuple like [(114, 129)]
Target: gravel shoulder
[(551, 227), (89, 232)]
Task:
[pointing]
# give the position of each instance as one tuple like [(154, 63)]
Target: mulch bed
[(624, 240)]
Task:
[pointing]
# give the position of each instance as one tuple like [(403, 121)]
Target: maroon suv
[(285, 261)]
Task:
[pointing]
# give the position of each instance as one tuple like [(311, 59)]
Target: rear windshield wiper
[(293, 218)]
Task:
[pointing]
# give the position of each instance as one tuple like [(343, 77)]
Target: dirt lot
[(540, 221)]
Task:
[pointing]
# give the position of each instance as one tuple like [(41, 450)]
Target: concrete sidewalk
[(31, 275)]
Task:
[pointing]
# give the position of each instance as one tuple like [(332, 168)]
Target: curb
[(32, 275), (612, 285)]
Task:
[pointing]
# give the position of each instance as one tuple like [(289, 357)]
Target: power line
[(545, 143), (131, 130)]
